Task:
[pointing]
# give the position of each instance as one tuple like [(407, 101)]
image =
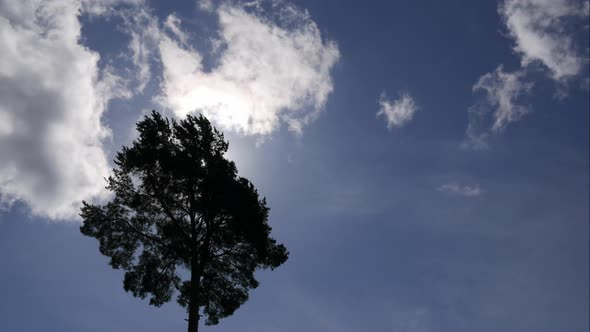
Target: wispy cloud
[(502, 104), (412, 320), (459, 190), (502, 92), (273, 69), (541, 33), (397, 112), (144, 32), (206, 5)]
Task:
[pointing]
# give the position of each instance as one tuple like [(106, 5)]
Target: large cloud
[(52, 97), (271, 71)]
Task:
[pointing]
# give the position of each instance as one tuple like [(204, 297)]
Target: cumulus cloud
[(52, 97), (274, 67), (541, 33), (458, 190), (271, 70), (397, 112)]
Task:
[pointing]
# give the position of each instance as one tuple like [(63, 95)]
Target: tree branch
[(147, 236), (158, 198)]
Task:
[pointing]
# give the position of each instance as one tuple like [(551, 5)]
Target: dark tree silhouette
[(179, 205)]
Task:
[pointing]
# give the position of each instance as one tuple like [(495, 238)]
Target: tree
[(180, 210)]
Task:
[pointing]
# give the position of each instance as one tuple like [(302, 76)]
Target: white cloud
[(397, 112), (503, 91), (456, 189), (52, 97), (543, 31), (104, 7), (172, 23), (540, 30), (206, 5), (144, 32), (271, 71), (501, 105)]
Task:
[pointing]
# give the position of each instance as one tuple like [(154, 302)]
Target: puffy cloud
[(540, 30), (397, 112), (456, 189), (52, 97), (271, 70)]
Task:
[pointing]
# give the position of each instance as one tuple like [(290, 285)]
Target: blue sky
[(426, 162)]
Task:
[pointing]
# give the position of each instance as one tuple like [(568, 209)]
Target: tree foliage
[(179, 205)]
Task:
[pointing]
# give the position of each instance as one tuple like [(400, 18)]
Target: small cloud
[(458, 190), (501, 105), (397, 112), (206, 5), (144, 33), (502, 91), (412, 319)]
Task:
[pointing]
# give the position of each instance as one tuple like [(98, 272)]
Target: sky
[(426, 162)]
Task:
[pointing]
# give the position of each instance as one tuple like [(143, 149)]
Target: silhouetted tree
[(179, 205)]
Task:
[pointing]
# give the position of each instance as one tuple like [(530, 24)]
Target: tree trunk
[(193, 311)]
